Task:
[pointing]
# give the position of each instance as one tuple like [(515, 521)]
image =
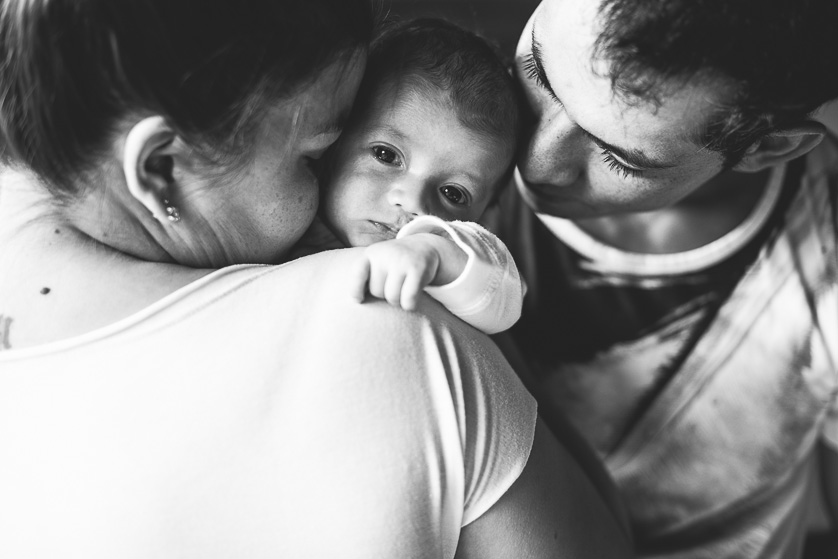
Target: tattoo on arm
[(5, 326)]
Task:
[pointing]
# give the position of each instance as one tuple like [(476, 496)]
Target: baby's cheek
[(475, 212), (365, 191)]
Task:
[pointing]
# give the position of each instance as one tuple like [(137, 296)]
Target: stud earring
[(171, 211)]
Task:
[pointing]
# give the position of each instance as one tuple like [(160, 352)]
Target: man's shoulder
[(822, 162), (815, 203)]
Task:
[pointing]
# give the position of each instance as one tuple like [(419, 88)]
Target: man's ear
[(147, 164), (781, 146)]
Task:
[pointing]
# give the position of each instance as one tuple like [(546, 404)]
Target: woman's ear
[(147, 164), (781, 146)]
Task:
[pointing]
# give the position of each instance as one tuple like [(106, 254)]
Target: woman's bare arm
[(551, 511)]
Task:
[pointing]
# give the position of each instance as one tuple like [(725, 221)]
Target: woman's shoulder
[(308, 302), (316, 289), (302, 317)]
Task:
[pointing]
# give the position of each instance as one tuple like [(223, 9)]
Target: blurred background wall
[(498, 20)]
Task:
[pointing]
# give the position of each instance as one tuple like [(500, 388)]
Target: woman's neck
[(59, 281)]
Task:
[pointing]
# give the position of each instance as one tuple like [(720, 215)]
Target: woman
[(164, 392)]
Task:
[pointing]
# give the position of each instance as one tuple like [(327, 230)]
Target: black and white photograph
[(418, 279)]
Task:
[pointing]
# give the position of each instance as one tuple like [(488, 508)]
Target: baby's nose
[(408, 198)]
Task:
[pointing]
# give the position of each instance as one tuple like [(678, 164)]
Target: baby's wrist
[(452, 259)]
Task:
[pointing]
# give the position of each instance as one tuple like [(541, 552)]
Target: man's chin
[(549, 205), (541, 198)]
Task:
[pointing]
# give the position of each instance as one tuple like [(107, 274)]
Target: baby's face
[(408, 155)]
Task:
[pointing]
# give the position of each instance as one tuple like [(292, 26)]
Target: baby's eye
[(454, 195), (385, 155)]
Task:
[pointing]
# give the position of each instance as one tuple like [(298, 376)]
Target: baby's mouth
[(386, 229)]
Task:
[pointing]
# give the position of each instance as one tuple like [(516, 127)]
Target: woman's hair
[(776, 58), (432, 54), (70, 69)]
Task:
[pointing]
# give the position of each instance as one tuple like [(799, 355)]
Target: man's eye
[(534, 72), (385, 155), (530, 69), (619, 168), (454, 194)]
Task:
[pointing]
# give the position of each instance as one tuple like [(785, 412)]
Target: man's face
[(591, 152)]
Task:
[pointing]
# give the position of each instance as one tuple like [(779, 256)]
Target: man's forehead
[(578, 20), (567, 32), (563, 26)]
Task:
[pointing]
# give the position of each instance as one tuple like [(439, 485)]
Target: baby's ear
[(781, 146), (148, 164)]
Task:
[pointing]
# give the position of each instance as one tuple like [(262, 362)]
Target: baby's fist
[(397, 270)]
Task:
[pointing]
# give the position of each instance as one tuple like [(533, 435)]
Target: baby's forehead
[(391, 98), (406, 90)]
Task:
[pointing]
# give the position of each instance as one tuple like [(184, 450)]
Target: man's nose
[(554, 153)]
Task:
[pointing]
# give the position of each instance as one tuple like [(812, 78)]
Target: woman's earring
[(171, 211)]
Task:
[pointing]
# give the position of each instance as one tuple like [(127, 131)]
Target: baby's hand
[(398, 270)]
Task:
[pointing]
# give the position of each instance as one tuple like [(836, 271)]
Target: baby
[(429, 144)]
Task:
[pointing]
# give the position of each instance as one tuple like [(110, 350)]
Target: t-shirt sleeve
[(419, 427), (464, 403), (489, 293), (499, 419)]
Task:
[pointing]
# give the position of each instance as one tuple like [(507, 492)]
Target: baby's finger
[(413, 285), (378, 277), (358, 278), (393, 288)]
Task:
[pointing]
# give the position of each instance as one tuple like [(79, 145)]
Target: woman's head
[(220, 79), (71, 69)]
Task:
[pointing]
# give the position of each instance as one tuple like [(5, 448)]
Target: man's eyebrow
[(632, 157)]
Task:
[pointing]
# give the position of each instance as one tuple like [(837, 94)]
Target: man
[(675, 216)]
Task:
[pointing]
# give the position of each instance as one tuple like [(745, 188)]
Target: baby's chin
[(369, 238)]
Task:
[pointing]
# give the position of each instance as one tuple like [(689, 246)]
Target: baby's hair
[(70, 70), (433, 53)]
